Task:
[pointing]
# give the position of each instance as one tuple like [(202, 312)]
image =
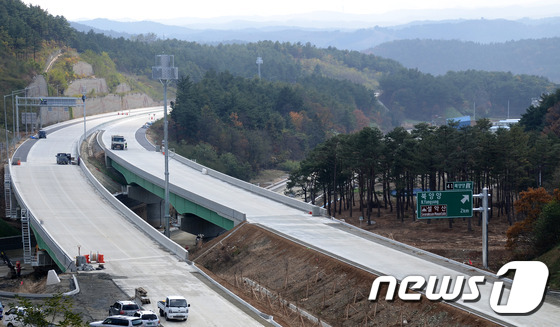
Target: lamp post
[(84, 101), (6, 129), (164, 71)]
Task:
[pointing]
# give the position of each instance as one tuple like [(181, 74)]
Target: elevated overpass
[(332, 237), (70, 213), (361, 249), (196, 190)]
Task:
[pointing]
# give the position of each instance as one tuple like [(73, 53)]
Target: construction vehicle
[(118, 142), (8, 262)]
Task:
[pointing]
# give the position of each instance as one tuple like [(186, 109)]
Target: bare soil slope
[(273, 274)]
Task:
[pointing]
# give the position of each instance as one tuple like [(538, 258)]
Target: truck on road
[(118, 142), (64, 158), (174, 307)]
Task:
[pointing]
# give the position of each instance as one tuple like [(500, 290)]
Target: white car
[(124, 308), (118, 321), (149, 318), (14, 316)]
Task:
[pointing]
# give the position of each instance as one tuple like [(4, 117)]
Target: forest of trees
[(260, 124), (414, 95), (24, 29), (529, 56), (317, 111), (408, 94), (348, 170)]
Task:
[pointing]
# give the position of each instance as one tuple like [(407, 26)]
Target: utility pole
[(84, 102)]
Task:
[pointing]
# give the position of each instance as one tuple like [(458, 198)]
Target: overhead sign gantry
[(31, 117)]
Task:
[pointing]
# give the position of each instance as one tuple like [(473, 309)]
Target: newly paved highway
[(71, 211), (195, 181), (79, 219), (326, 235)]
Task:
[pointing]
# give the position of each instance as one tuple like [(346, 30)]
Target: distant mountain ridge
[(480, 31), (525, 46), (537, 57)]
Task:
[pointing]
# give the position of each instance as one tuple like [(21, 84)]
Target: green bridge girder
[(43, 246), (182, 205)]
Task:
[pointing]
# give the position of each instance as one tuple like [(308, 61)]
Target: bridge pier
[(154, 204), (154, 214), (196, 225)]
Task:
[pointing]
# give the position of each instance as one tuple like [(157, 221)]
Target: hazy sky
[(162, 9)]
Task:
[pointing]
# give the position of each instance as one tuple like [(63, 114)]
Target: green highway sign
[(459, 186), (444, 204)]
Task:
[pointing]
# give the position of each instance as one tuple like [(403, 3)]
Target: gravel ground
[(97, 292)]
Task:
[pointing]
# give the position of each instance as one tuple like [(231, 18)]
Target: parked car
[(124, 308), (118, 321), (149, 318), (14, 317), (42, 134), (1, 311)]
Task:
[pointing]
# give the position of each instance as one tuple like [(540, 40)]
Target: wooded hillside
[(305, 95), (531, 56)]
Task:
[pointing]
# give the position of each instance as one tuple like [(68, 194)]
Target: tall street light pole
[(164, 71), (84, 101), (6, 128)]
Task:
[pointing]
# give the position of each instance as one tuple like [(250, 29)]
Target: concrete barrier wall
[(75, 291), (315, 210), (306, 207)]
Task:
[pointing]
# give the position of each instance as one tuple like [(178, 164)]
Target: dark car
[(63, 158), (42, 134)]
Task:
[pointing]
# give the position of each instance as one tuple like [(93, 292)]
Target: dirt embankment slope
[(273, 273)]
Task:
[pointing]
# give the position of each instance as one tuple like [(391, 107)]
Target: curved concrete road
[(79, 219), (329, 236)]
